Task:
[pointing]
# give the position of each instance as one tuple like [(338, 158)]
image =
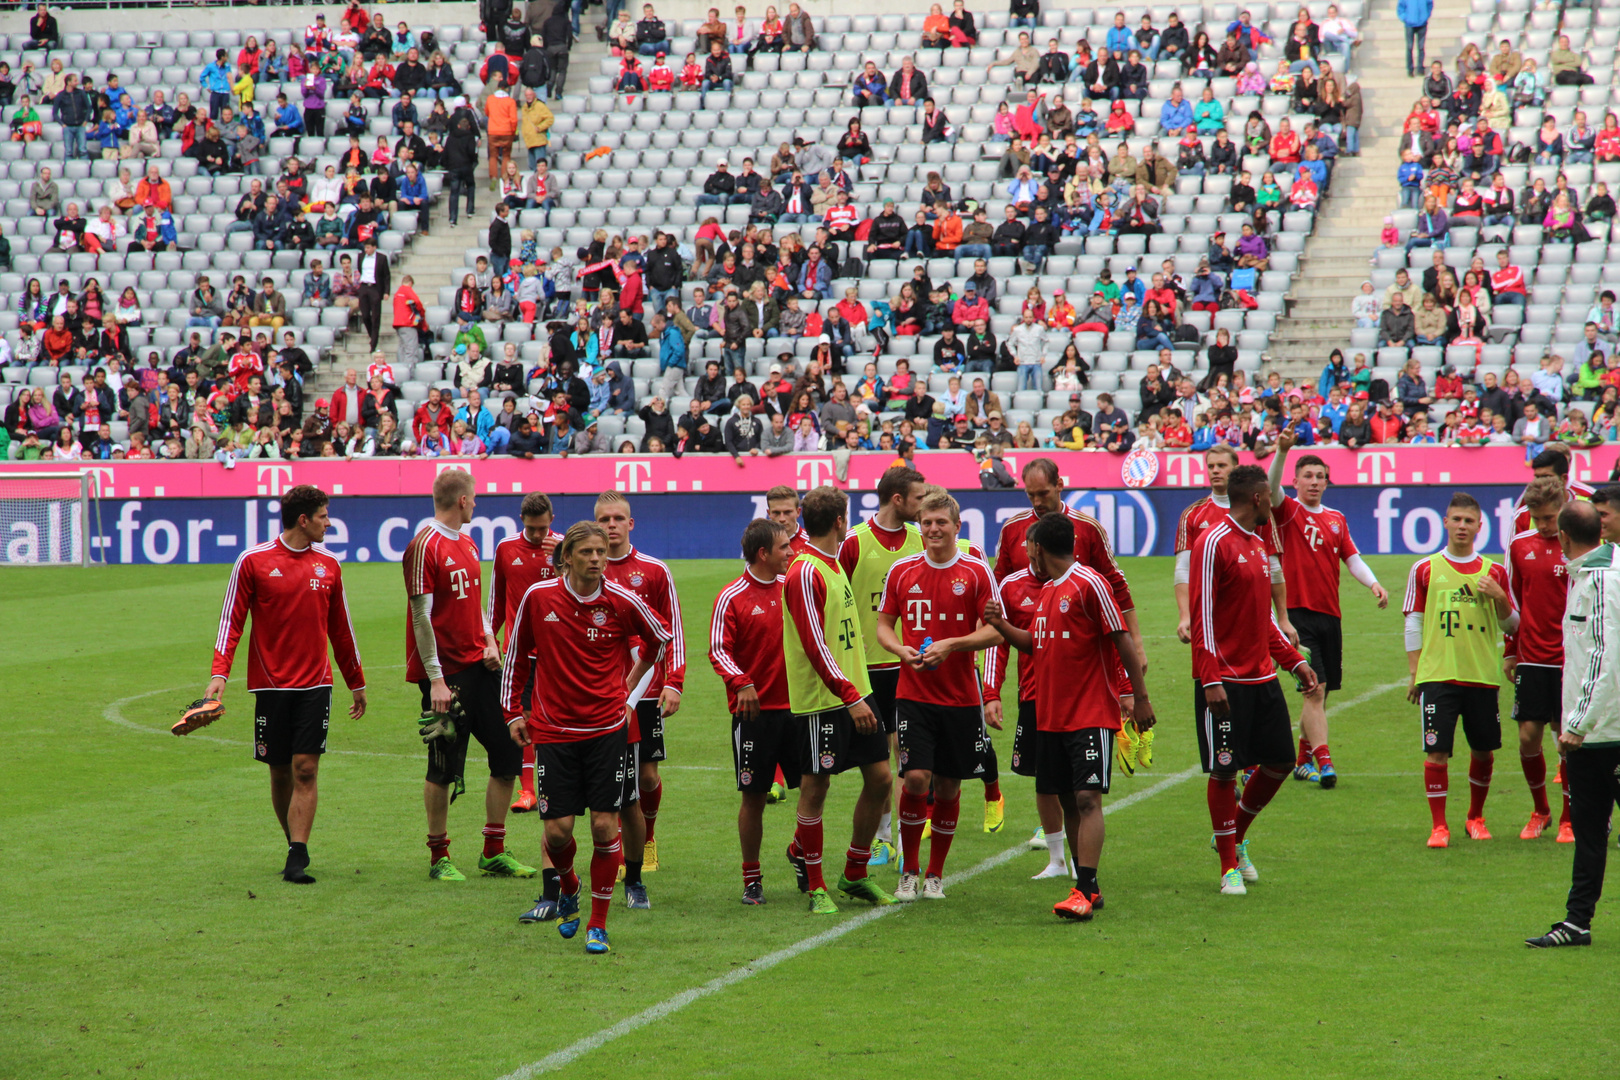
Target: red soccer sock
[(494, 839), (438, 847), (992, 790), (913, 812), (604, 870), (1535, 775), (939, 843), (526, 778), (1222, 798), (1256, 794), (1435, 782), (1479, 783), (650, 798), (751, 875), (562, 859), (1323, 758), (808, 837), (855, 862), (1304, 751)]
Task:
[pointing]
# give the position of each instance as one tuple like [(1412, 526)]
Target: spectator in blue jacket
[(215, 80), (1120, 39), (815, 277), (1414, 14), (289, 121), (1410, 177), (413, 195), (1176, 115), (870, 87)]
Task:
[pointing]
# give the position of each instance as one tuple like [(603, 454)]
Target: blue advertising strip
[(1383, 520)]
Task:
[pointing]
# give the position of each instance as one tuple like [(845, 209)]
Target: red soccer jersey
[(939, 600), (1573, 489), (650, 579), (1235, 637), (1314, 543), (518, 564), (1091, 549), (582, 643), (442, 564), (1209, 511), (1539, 585), (1075, 656), (1020, 594), (745, 640), (801, 541), (295, 598)]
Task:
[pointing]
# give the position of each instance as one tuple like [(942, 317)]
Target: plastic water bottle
[(927, 641)]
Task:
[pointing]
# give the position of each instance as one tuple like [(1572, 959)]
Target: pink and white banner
[(1379, 466)]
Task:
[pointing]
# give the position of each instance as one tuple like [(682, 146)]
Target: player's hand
[(1488, 586), (1215, 699), (519, 730), (865, 719), (216, 688), (1381, 594), (936, 653), (748, 703), (439, 697), (492, 655), (1289, 632), (1412, 690), (1307, 677), (1569, 740), (1142, 711), (669, 702), (1285, 441), (1510, 665), (1184, 631), (992, 713), (358, 709), (910, 657), (992, 614)]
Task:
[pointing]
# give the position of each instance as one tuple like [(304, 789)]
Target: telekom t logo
[(1376, 467), (274, 479), (632, 476), (102, 480), (814, 472), (918, 610), (1184, 470)]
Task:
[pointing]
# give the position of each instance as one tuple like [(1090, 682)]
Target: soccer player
[(450, 655), (1552, 462), (1606, 500), (1020, 594), (292, 589), (1237, 644), (650, 579), (581, 631), (521, 560), (1457, 608), (782, 507), (745, 647), (1043, 486), (1315, 540), (1533, 656), (825, 658), (1079, 636), (1219, 461), (930, 617)]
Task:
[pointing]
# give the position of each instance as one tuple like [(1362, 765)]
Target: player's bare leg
[(750, 834), (1053, 828), (1313, 741), (651, 787), (1534, 763), (293, 794)]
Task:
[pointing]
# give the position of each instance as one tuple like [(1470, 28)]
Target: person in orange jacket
[(948, 230), (501, 118)]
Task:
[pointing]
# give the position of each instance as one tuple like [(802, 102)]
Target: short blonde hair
[(450, 486), (609, 498), (939, 499)]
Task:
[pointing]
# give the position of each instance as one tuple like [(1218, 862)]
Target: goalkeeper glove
[(433, 726)]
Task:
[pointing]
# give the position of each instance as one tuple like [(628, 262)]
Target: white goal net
[(46, 518)]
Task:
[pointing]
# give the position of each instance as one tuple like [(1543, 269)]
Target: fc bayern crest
[(745, 777), (598, 618), (1139, 469), (958, 587), (636, 580), (827, 761), (320, 569), (1223, 758), (1063, 605)]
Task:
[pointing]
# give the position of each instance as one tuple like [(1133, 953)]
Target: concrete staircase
[(1338, 254), (435, 260)]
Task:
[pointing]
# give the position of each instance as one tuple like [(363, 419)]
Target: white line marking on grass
[(1365, 696), (569, 1054)]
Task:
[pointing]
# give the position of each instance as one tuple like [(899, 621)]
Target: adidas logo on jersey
[(449, 562), (276, 572), (914, 588), (518, 561), (551, 616), (1028, 602), (1529, 555), (1243, 560), (757, 610)]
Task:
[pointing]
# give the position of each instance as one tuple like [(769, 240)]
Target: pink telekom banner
[(1378, 466)]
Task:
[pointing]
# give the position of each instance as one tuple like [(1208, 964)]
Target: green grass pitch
[(147, 931)]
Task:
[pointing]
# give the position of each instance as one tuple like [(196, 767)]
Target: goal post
[(47, 518)]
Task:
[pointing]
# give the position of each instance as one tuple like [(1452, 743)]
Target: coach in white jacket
[(1591, 736)]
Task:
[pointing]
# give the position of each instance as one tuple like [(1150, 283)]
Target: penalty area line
[(569, 1054)]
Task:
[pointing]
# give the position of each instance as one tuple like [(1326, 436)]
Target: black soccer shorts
[(288, 722), (885, 684), (947, 740), (650, 721), (478, 689), (1323, 635), (1538, 694), (1256, 731), (1442, 704), (1074, 761), (571, 777), (832, 744), (1025, 753), (759, 745)]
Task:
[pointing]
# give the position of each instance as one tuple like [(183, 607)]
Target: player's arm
[(849, 554), (232, 619), (805, 596), (983, 637), (1201, 625), (1596, 699), (1494, 586), (1182, 575), (722, 633), (1141, 708), (420, 579), (889, 637), (1417, 590), (1019, 639), (669, 699), (1288, 657), (492, 651), (1003, 556), (1279, 601), (515, 672), (1274, 474), (1359, 570), (495, 610), (340, 631), (1515, 589)]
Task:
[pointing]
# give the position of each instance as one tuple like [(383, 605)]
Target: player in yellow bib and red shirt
[(1078, 635), (521, 560), (1533, 655), (450, 654), (292, 590), (581, 630), (1315, 540), (930, 616), (1457, 608)]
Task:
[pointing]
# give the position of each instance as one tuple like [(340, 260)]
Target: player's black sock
[(548, 884), (297, 864), (632, 871), (1086, 880)]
